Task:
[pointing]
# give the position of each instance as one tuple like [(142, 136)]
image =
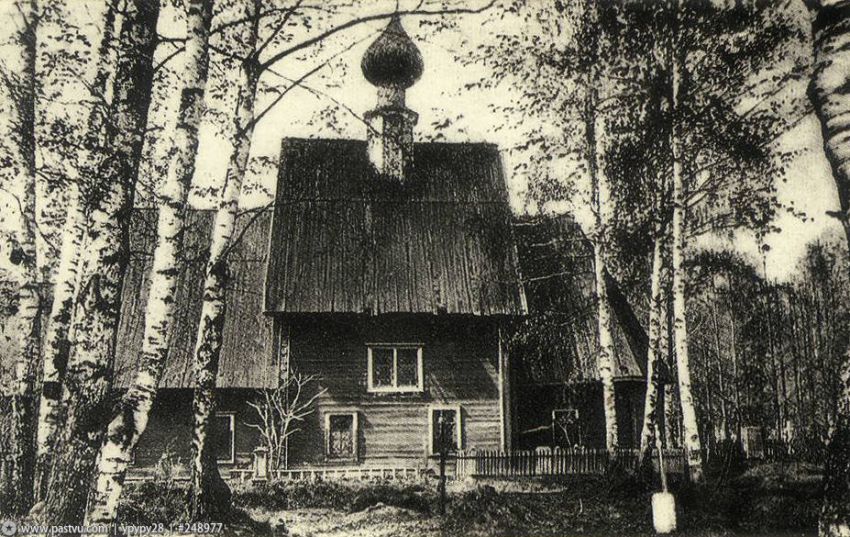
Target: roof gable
[(345, 240)]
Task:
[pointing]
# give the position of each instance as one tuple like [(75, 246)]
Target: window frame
[(458, 426), (576, 416), (355, 434), (232, 418), (395, 388)]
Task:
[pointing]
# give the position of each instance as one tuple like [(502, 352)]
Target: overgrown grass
[(772, 500), (580, 506), (154, 502), (167, 502), (341, 495)]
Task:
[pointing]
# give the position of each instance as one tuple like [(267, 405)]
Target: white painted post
[(663, 503), (261, 464)]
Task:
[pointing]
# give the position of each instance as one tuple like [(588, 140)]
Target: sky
[(440, 95)]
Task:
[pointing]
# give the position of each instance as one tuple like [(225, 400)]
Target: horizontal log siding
[(171, 427), (460, 361)]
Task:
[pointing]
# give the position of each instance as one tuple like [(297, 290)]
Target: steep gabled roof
[(346, 241), (247, 358), (558, 342)]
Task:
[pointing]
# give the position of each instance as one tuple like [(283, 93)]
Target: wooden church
[(388, 270)]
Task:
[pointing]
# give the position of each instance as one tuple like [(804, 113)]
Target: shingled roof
[(247, 358), (558, 342), (345, 240)]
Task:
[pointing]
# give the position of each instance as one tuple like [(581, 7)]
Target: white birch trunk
[(606, 351), (209, 338), (671, 415), (605, 360), (594, 136), (127, 427), (672, 423), (690, 431), (650, 406), (24, 255), (829, 92), (60, 322), (89, 374), (29, 296), (56, 343)]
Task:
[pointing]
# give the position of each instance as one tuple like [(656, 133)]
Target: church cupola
[(392, 63)]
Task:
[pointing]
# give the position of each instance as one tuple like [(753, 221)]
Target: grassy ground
[(770, 500)]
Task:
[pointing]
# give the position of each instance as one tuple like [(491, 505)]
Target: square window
[(222, 437), (341, 436), (445, 429), (394, 368)]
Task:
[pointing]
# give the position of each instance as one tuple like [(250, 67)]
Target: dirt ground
[(387, 521), (376, 521), (784, 498)]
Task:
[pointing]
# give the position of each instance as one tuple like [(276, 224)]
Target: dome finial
[(393, 59)]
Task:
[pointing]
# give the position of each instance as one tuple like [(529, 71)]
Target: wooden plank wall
[(460, 368), (171, 428)]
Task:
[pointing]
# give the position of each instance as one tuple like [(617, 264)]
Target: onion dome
[(392, 60)]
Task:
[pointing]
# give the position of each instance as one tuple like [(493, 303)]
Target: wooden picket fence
[(555, 462), (477, 463)]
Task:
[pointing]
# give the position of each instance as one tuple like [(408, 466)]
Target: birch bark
[(605, 359), (57, 338), (56, 342), (829, 91), (606, 348), (127, 427), (690, 432), (206, 482), (24, 255), (594, 134), (96, 319), (650, 406)]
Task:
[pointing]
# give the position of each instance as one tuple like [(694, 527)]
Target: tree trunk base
[(213, 503), (835, 517), (21, 494)]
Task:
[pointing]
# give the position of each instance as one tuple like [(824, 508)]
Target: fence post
[(544, 460)]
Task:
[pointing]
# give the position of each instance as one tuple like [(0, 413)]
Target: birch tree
[(595, 138), (21, 88), (88, 378), (206, 483), (127, 427), (603, 309), (654, 354), (690, 430), (56, 341), (829, 91), (56, 348)]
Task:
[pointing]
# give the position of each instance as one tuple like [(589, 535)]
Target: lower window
[(222, 437), (445, 428), (566, 428), (341, 436)]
